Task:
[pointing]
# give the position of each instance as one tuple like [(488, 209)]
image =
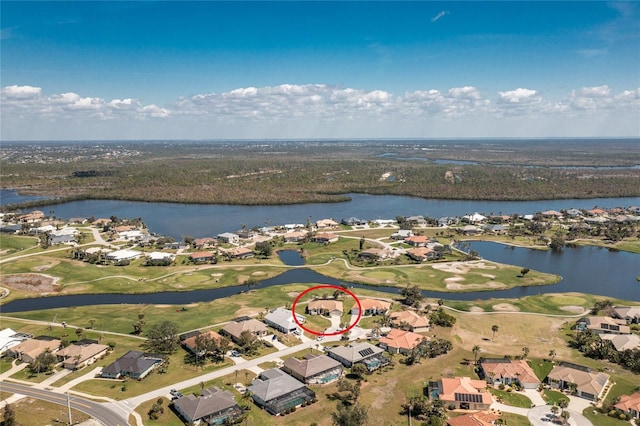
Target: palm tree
[(552, 354), (525, 352), (475, 350), (494, 328), (554, 410)]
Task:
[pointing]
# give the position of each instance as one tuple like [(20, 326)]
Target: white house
[(282, 320), (120, 255), (229, 238)]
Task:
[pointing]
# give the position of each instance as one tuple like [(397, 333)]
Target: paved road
[(102, 412)]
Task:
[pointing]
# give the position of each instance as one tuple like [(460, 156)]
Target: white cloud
[(320, 110), (439, 15)]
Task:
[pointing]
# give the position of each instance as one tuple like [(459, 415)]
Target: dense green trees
[(162, 338)]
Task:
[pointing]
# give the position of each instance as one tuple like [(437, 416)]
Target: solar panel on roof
[(366, 352), (467, 397)]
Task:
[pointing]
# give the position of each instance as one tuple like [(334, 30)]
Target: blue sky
[(209, 70)]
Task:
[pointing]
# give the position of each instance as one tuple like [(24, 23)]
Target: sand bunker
[(506, 307), (455, 286), (573, 309), (476, 309), (37, 283), (462, 267)]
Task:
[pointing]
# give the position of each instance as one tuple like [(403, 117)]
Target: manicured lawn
[(511, 398), (622, 387), (167, 418), (601, 419), (5, 363), (541, 367), (16, 243), (515, 419), (553, 397)]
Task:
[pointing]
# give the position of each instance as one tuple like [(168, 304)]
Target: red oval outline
[(336, 333)]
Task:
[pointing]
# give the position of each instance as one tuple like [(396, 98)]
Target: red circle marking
[(335, 287)]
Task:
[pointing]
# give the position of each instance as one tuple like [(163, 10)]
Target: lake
[(207, 220)]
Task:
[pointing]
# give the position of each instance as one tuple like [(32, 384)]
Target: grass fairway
[(11, 244)]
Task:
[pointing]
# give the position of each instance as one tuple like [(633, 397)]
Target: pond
[(291, 257)]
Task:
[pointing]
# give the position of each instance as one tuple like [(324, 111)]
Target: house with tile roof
[(205, 243), (373, 254), (481, 418), (134, 364), (507, 371), (212, 407), (325, 307), (325, 238), (401, 341), (588, 384), (422, 254), (630, 405), (326, 224), (80, 355), (417, 240), (29, 349), (365, 353), (202, 257), (372, 307), (240, 253), (234, 329), (461, 393), (190, 342), (314, 369), (276, 391), (410, 320)]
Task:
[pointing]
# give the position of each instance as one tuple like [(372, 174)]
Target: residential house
[(418, 221), (325, 238), (190, 342), (229, 238), (573, 213), (121, 255), (205, 243), (9, 339), (176, 245), (246, 234), (588, 384), (601, 325), (326, 224), (371, 356), (101, 221), (373, 254), (423, 254), (552, 214), (34, 216), (234, 329), (213, 407), (481, 418), (471, 230), (134, 364), (240, 253), (353, 221), (329, 307), (461, 393), (630, 405), (402, 234), (157, 257), (77, 220), (282, 320), (372, 307), (474, 219), (622, 342), (277, 392), (447, 221), (133, 235), (385, 222), (631, 314), (401, 341), (506, 371), (295, 236), (202, 257), (596, 212), (313, 369), (417, 240), (29, 349), (410, 320), (80, 355), (496, 229)]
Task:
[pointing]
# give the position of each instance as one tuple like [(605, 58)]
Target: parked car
[(175, 394), (235, 353)]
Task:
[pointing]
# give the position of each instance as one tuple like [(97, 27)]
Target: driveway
[(537, 414)]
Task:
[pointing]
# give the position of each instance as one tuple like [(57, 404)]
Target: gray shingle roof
[(273, 383)]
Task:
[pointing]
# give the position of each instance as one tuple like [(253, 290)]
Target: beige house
[(313, 369), (325, 307), (372, 307), (234, 329), (601, 325), (74, 357), (30, 349), (411, 320), (588, 384), (507, 371)]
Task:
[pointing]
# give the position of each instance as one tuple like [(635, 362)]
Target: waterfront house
[(81, 354), (372, 307), (353, 221), (282, 320), (447, 221), (313, 369), (329, 307), (417, 220), (461, 393), (234, 329), (29, 349), (629, 405), (588, 384), (276, 391), (134, 364), (229, 238), (474, 219), (326, 224), (365, 353), (401, 341), (212, 407), (410, 320), (506, 371), (295, 236), (205, 243)]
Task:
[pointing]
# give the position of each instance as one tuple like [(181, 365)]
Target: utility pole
[(69, 408)]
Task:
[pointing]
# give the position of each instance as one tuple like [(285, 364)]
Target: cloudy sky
[(248, 70)]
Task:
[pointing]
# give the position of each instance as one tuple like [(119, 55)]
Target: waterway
[(584, 269), (207, 220)]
